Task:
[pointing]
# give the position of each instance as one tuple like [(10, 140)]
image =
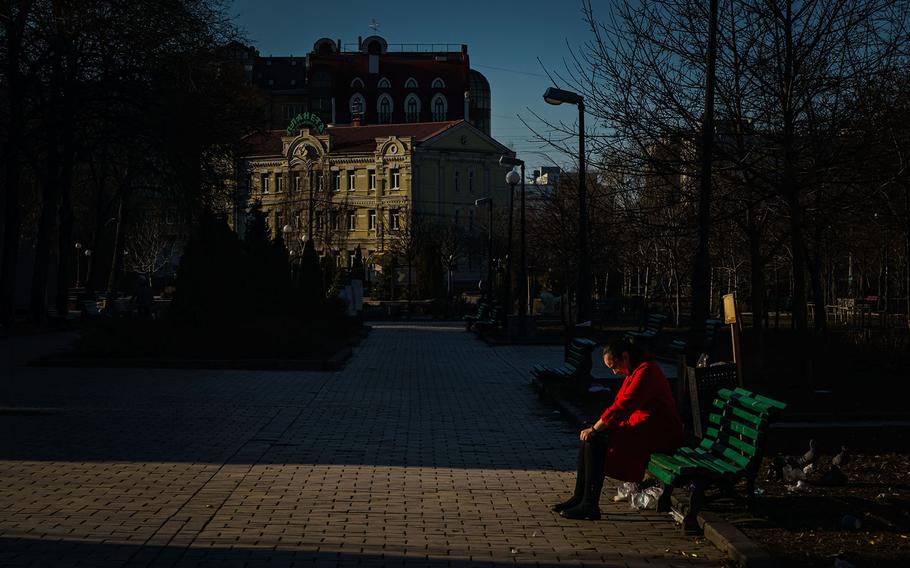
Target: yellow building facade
[(370, 186)]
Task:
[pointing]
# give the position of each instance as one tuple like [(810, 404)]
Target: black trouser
[(590, 477)]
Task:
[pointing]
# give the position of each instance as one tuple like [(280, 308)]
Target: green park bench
[(481, 314), (492, 320), (651, 329), (577, 363), (732, 449), (712, 329)]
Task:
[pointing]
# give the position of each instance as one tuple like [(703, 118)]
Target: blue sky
[(504, 41)]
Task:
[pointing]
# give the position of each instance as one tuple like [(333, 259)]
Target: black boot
[(588, 508), (579, 484)]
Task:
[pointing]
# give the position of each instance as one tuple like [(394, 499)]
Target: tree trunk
[(113, 281), (46, 226), (757, 264), (701, 272), (65, 237), (12, 149)]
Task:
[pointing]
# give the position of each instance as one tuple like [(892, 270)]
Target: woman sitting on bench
[(641, 420)]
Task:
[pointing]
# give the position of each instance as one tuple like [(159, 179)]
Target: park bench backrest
[(712, 327), (738, 425), (655, 323), (579, 355)]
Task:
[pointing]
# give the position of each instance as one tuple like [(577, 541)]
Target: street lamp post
[(512, 180), (489, 288), (78, 263), (556, 96), (88, 262), (522, 262)]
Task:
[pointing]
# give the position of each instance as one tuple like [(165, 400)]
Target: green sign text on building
[(306, 119)]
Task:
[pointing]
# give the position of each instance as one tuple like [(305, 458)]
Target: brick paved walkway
[(428, 449)]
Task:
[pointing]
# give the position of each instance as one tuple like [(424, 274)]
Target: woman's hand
[(586, 433)]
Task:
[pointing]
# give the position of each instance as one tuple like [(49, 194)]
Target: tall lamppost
[(556, 96), (88, 262), (522, 263), (78, 262), (489, 286)]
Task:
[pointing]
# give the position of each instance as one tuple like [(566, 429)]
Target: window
[(352, 220), (278, 183), (297, 220), (320, 218), (357, 83), (335, 220), (352, 180), (371, 220), (384, 84), (440, 107), (372, 175), (351, 255), (411, 83), (470, 180), (385, 109), (356, 104), (396, 179), (319, 180), (412, 108), (438, 83), (264, 183), (295, 186), (457, 180), (336, 181), (394, 218), (279, 228)]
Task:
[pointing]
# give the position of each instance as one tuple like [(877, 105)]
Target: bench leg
[(690, 521), (665, 503)]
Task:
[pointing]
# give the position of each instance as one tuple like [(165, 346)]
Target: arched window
[(412, 108), (411, 83), (356, 104), (357, 83), (385, 108), (440, 107), (384, 83), (438, 83)]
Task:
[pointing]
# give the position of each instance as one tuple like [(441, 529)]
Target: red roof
[(349, 139)]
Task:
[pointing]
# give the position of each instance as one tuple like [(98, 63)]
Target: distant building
[(364, 185), (384, 84)]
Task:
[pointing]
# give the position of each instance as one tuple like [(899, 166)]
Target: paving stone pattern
[(427, 449)]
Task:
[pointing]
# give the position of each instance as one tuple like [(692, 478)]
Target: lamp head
[(286, 229), (556, 96), (510, 162), (512, 178), (482, 201)]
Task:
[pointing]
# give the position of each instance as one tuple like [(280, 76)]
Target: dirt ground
[(810, 527)]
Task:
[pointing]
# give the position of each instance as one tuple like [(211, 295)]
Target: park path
[(427, 449)]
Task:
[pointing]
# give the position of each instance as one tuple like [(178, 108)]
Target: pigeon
[(809, 456), (776, 469), (834, 477), (842, 458)]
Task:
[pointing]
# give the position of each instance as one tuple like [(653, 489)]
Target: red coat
[(641, 420)]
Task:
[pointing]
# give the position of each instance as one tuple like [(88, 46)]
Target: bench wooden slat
[(726, 423), (719, 450), (715, 436), (713, 464), (756, 420)]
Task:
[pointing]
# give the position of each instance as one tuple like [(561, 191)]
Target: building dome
[(479, 105)]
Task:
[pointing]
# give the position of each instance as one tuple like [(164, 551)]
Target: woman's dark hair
[(637, 355)]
